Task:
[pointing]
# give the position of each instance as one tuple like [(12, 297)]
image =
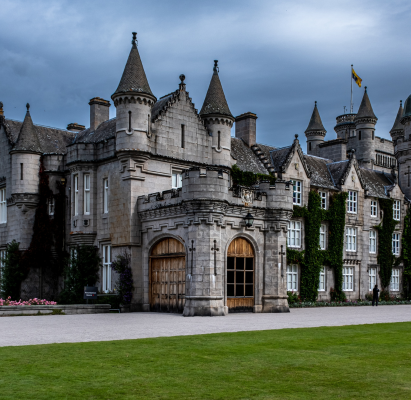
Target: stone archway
[(167, 276), (240, 284)]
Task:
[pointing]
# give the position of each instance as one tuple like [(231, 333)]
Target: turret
[(25, 158), (315, 132), (365, 121), (403, 150), (218, 120), (133, 100), (397, 129)]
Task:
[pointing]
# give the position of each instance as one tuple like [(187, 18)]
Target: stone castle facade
[(155, 181)]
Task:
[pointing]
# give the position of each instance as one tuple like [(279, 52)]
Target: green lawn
[(354, 362)]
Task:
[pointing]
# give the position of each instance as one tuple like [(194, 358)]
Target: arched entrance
[(240, 276), (168, 276)]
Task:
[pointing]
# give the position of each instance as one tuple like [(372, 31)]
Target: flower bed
[(31, 302), (303, 304)]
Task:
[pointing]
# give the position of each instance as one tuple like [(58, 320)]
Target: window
[(351, 235), (105, 195), (322, 236), (129, 121), (323, 196), (176, 180), (373, 241), (348, 278), (397, 210), (296, 192), (352, 202), (395, 280), (309, 146), (106, 269), (51, 205), (373, 208), (86, 194), (21, 171), (372, 135), (292, 278), (359, 135), (396, 244), (75, 194), (321, 285), (182, 136), (240, 276), (294, 234), (372, 278), (3, 206), (219, 140)]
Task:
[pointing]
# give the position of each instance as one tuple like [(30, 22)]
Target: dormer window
[(296, 192), (397, 210), (176, 180), (3, 206)]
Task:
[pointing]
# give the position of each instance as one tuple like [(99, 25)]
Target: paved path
[(17, 331)]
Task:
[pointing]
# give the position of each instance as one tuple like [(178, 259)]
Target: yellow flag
[(356, 78)]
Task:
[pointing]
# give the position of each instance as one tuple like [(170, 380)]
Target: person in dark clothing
[(375, 295)]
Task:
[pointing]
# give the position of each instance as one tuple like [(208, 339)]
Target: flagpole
[(351, 107)]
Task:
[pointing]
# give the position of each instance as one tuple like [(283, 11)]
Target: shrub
[(13, 271), (81, 270), (124, 285), (337, 296), (293, 297)]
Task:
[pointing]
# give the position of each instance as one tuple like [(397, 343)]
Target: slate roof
[(51, 140), (407, 107), (215, 101), (160, 105), (320, 175), (337, 170), (245, 158), (315, 124), (106, 130), (134, 77), (378, 183), (398, 126), (279, 156), (365, 110), (27, 139)]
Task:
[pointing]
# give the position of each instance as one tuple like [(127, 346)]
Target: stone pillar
[(279, 212)]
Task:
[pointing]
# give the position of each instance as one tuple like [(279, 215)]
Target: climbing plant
[(13, 272), (124, 286), (247, 178), (312, 259), (385, 230), (406, 254)]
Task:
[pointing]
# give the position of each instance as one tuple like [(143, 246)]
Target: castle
[(156, 181)]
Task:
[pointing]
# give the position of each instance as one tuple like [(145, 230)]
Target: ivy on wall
[(13, 272), (406, 254), (312, 259), (247, 178), (385, 229)]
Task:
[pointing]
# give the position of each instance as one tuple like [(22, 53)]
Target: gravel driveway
[(17, 331)]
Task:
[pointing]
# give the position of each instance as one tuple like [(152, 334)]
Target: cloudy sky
[(276, 57)]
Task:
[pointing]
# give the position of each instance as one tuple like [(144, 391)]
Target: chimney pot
[(246, 128), (99, 112)]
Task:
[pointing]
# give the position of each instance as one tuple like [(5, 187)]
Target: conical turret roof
[(365, 110), (315, 125), (397, 124), (215, 101), (407, 108), (28, 139), (134, 78)]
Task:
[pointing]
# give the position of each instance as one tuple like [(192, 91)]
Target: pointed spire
[(365, 110), (134, 78), (398, 127), (28, 139), (215, 102), (407, 109), (315, 125)]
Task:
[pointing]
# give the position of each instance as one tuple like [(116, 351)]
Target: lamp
[(63, 181), (248, 219)]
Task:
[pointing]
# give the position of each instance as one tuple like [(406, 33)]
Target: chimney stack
[(99, 112), (245, 128), (74, 126)]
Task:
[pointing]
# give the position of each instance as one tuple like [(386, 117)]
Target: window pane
[(230, 262), (239, 275), (249, 263), (249, 277), (230, 290), (249, 290), (230, 276), (240, 263), (239, 290)]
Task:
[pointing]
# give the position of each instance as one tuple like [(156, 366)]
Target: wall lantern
[(249, 220), (63, 181)]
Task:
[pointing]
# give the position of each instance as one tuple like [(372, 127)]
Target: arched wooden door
[(240, 276), (168, 276)]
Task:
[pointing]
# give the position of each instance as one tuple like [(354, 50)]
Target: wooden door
[(167, 276), (240, 276)]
